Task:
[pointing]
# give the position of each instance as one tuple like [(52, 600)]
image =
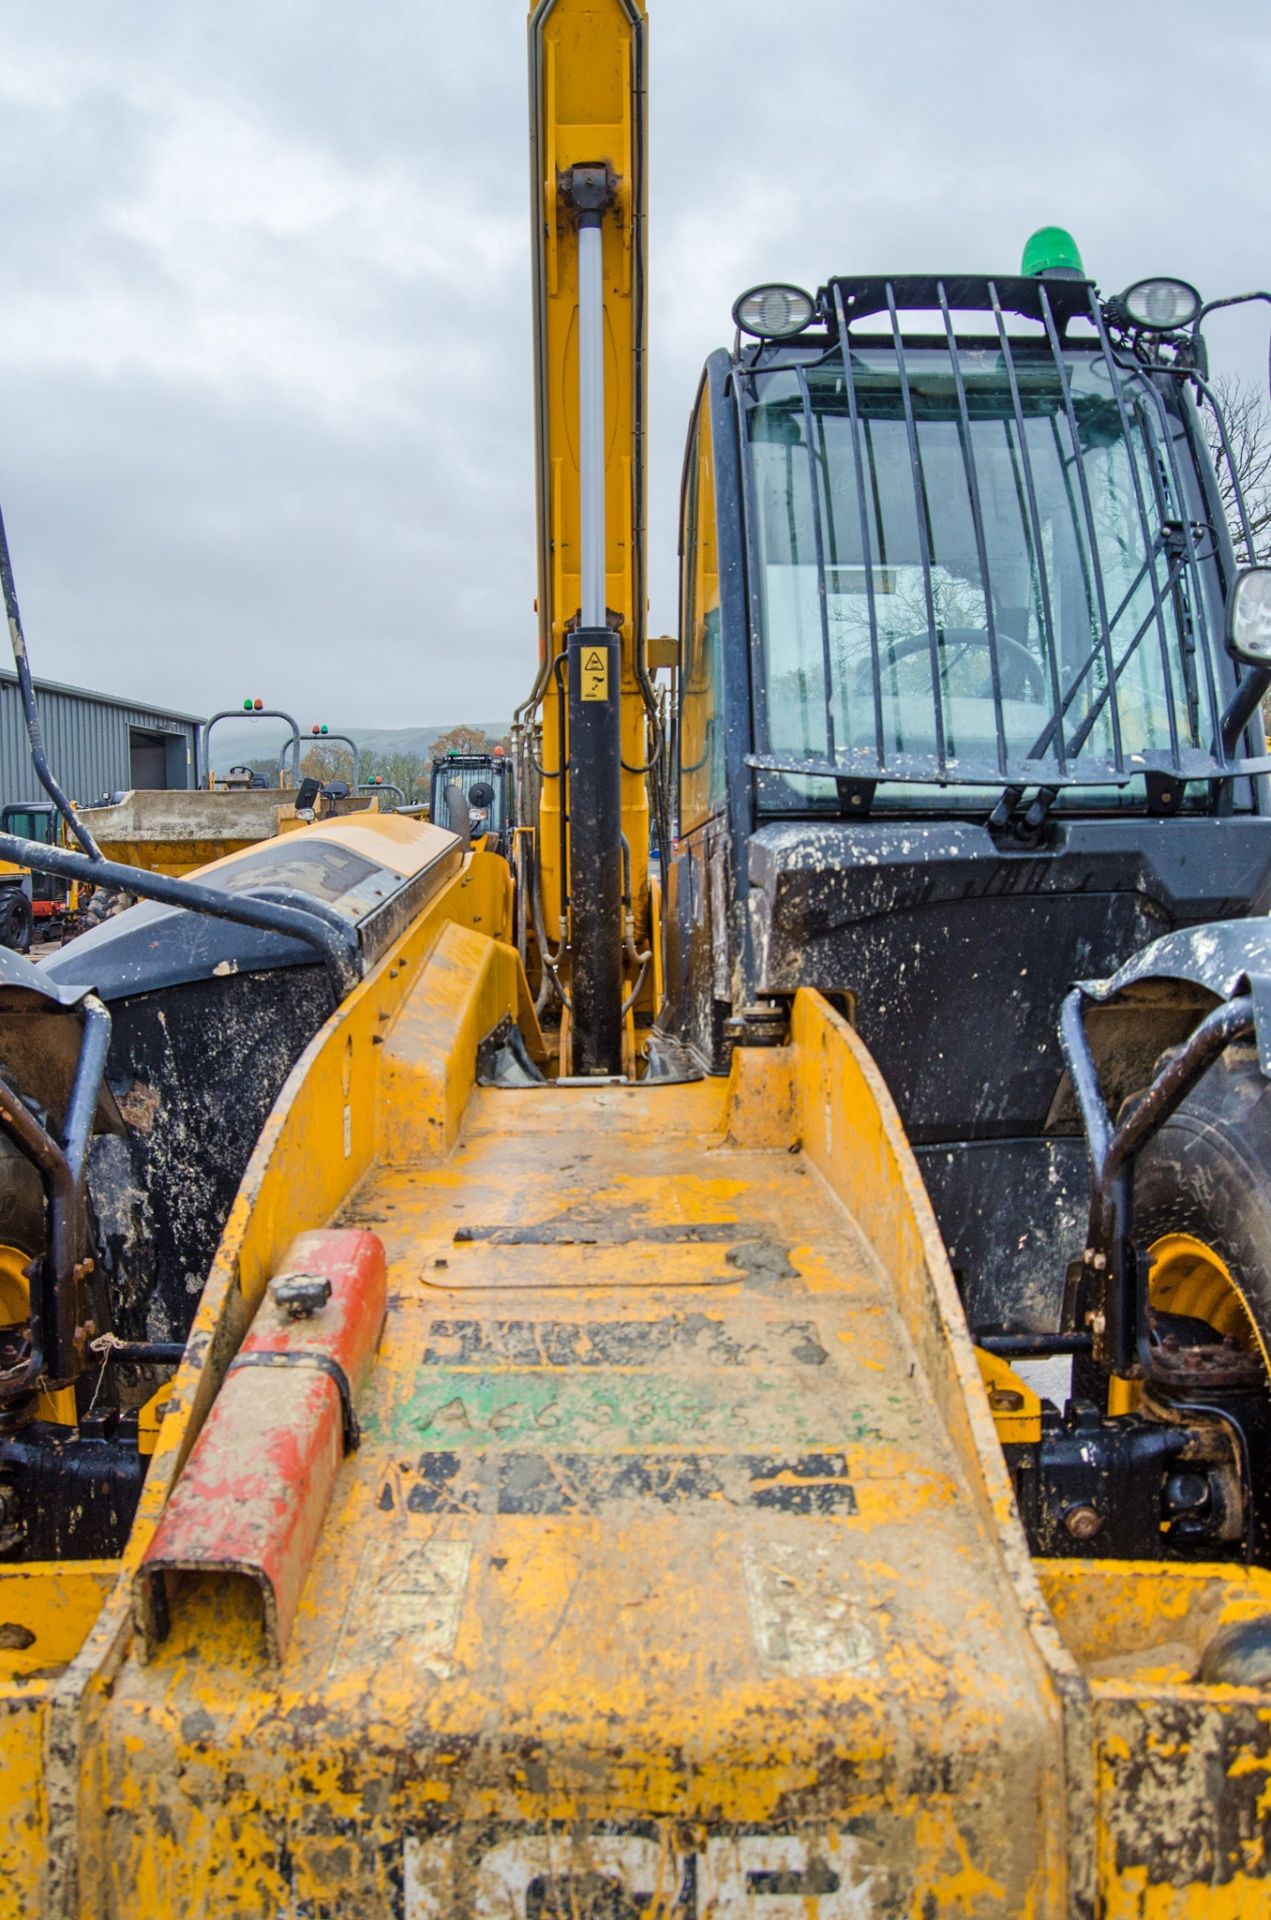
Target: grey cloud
[(265, 367)]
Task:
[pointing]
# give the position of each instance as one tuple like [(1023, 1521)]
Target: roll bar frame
[(202, 758)]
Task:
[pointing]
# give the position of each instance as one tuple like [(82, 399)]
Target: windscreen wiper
[(1046, 796)]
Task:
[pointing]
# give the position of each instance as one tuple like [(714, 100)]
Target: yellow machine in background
[(489, 1441), (176, 832), (31, 903)]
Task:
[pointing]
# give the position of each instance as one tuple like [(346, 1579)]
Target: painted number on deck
[(597, 1875)]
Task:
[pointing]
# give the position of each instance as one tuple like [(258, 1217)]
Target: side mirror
[(1249, 617)]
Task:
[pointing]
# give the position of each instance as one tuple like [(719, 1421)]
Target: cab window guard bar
[(1177, 548)]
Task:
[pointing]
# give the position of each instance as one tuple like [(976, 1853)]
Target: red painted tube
[(253, 1495)]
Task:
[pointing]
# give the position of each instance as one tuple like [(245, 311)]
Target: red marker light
[(315, 728), (258, 705)]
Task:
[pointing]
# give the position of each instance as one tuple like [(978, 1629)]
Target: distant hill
[(233, 741), (418, 739)]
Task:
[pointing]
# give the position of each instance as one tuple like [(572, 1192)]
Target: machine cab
[(484, 781), (51, 899), (958, 724)]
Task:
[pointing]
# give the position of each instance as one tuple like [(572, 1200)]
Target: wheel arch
[(1155, 1000)]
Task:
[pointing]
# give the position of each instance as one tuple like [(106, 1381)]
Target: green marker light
[(1052, 250)]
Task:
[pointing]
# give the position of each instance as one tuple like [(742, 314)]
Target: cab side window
[(29, 824), (701, 728)]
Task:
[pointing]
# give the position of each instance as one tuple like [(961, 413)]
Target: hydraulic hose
[(17, 638), (53, 1308)]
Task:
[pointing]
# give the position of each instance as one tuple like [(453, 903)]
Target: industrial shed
[(96, 743)]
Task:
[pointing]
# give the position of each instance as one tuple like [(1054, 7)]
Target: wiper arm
[(1078, 741), (1046, 796)]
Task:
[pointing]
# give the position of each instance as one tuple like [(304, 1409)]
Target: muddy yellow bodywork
[(675, 1572), (1182, 1770), (643, 1566), (64, 1625), (677, 1567)]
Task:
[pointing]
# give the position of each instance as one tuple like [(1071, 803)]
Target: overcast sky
[(265, 359)]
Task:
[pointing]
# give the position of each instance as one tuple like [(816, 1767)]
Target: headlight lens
[(1161, 306), (774, 312), (1249, 616)]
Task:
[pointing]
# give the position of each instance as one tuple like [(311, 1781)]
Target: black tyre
[(1206, 1179), (17, 922), (21, 1202)]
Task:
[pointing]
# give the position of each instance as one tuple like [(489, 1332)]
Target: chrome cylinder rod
[(591, 419)]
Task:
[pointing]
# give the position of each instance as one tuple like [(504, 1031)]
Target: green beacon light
[(247, 706), (324, 729), (1052, 250)]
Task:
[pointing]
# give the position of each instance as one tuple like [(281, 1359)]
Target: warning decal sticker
[(595, 674)]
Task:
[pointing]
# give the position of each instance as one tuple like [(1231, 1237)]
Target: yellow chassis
[(756, 1622)]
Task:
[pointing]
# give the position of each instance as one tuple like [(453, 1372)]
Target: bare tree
[(409, 771), (1248, 421), (461, 739), (327, 763)]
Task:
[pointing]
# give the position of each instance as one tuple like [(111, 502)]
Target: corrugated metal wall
[(87, 740)]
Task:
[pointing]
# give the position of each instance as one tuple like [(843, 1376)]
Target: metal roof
[(9, 677)]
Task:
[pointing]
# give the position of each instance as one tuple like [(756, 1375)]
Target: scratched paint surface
[(1182, 1771), (639, 1596), (300, 1170), (457, 1407), (745, 1647)]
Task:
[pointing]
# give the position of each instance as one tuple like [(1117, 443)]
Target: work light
[(1249, 616), (774, 312), (1160, 306)]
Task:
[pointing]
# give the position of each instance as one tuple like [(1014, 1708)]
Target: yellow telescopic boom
[(588, 127)]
